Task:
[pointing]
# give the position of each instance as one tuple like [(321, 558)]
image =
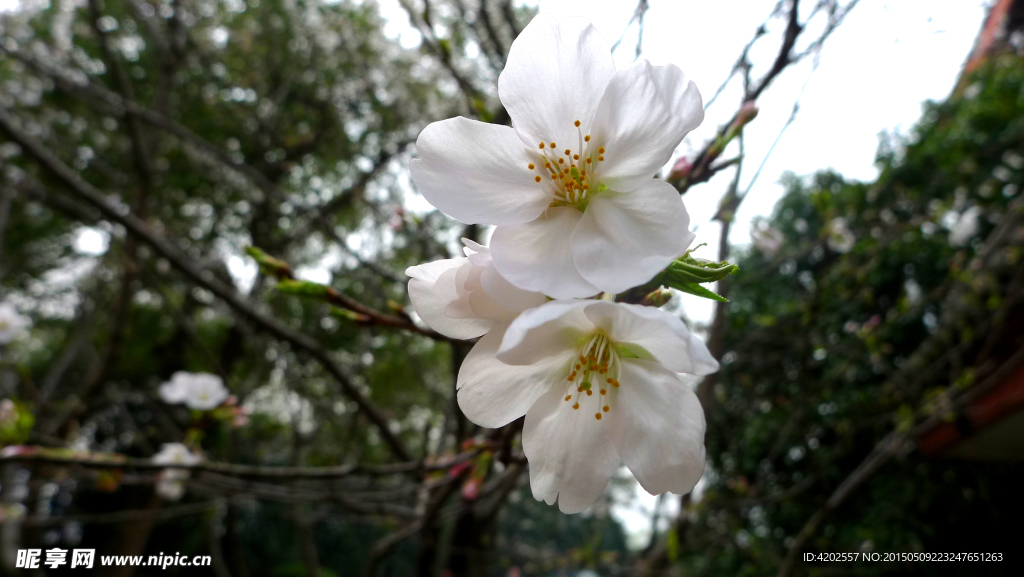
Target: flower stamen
[(573, 183), (598, 357)]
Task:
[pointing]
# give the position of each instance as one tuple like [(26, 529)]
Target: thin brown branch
[(118, 213), (253, 471)]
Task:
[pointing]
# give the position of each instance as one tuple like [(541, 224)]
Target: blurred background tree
[(145, 144)]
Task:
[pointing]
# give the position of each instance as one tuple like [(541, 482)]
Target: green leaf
[(696, 289)]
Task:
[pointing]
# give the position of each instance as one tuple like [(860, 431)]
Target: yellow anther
[(575, 157), (583, 359), (552, 144), (600, 150), (537, 178), (597, 416), (561, 161), (531, 166), (589, 160), (606, 408), (568, 152), (604, 391), (586, 138), (589, 392), (577, 123), (548, 165), (600, 159), (576, 405), (568, 397), (542, 146)]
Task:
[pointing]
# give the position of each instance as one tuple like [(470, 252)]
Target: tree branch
[(118, 213)]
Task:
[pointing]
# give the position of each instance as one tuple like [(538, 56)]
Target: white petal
[(571, 453), (172, 392), (545, 331), (537, 256), (660, 336), (431, 295), (625, 239), (644, 114), (660, 428), (477, 253), (206, 392), (478, 173), (170, 489), (555, 75), (493, 394), (508, 295)]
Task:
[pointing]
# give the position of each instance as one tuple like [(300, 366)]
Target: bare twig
[(88, 193)]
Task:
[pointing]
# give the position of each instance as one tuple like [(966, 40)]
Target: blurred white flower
[(598, 384), (839, 236), (966, 227), (767, 239), (171, 482), (200, 391), (12, 324), (570, 185), (464, 297)]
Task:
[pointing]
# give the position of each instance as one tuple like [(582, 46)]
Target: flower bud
[(681, 169), (658, 297)]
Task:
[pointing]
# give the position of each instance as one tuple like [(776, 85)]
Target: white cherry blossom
[(839, 236), (200, 391), (965, 228), (465, 297), (598, 382), (570, 185), (12, 324), (171, 482)]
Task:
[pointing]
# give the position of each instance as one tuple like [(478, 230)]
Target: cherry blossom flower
[(570, 185), (965, 228), (171, 482), (839, 237), (465, 297), (12, 324), (200, 391), (598, 382)]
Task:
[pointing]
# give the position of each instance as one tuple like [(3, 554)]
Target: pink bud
[(681, 169), (471, 489), (747, 112), (458, 469)]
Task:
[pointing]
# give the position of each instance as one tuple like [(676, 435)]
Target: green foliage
[(831, 351)]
